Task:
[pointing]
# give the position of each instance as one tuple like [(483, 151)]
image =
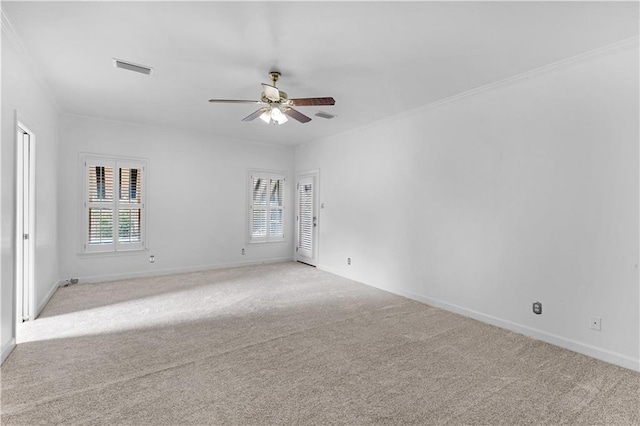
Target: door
[(25, 222), (307, 219)]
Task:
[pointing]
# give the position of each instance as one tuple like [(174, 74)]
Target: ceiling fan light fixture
[(266, 116), (277, 116)]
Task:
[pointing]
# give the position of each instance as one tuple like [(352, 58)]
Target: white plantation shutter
[(113, 205), (101, 182), (130, 205), (259, 210), (100, 226), (276, 216), (266, 221), (305, 222), (100, 203)]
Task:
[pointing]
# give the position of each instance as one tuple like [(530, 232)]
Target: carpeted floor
[(289, 344)]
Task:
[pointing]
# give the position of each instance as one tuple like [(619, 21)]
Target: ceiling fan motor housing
[(284, 99)]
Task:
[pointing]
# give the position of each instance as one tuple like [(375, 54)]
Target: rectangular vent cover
[(131, 67), (326, 115)]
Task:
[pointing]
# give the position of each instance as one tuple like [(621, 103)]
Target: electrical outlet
[(537, 308), (596, 323), (243, 252), (152, 259), (348, 261)]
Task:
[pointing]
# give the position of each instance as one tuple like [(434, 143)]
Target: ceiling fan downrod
[(275, 75)]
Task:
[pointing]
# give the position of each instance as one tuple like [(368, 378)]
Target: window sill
[(113, 253), (268, 242)]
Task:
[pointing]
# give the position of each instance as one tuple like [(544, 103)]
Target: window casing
[(113, 197), (266, 207)]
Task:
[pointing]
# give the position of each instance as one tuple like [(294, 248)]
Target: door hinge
[(25, 236), (297, 248)]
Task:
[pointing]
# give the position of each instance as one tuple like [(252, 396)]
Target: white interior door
[(25, 221), (307, 219)]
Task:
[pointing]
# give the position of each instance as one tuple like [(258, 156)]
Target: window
[(113, 205), (266, 207)]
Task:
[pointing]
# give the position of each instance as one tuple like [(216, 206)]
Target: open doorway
[(25, 223)]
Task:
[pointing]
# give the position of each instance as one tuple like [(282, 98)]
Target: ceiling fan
[(276, 105)]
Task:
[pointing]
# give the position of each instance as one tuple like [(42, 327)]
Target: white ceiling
[(375, 58)]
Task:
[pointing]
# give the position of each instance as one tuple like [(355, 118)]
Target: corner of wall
[(48, 296), (7, 349)]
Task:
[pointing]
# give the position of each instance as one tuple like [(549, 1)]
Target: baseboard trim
[(563, 342), (335, 271), (48, 297), (7, 349), (181, 270)]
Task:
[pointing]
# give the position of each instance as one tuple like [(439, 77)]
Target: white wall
[(22, 92), (525, 192), (197, 198)]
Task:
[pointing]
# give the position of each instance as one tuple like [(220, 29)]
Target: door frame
[(315, 175), (25, 270)]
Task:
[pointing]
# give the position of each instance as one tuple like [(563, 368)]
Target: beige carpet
[(289, 344)]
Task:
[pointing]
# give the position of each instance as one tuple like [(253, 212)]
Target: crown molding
[(9, 33), (625, 44), (621, 45)]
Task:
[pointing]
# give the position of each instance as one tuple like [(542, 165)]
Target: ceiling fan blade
[(271, 92), (313, 101), (255, 114), (234, 101), (296, 115)]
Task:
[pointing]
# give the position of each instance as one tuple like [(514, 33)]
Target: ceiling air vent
[(131, 67), (326, 115)]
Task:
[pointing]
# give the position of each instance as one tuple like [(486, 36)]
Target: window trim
[(118, 162), (266, 174)]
